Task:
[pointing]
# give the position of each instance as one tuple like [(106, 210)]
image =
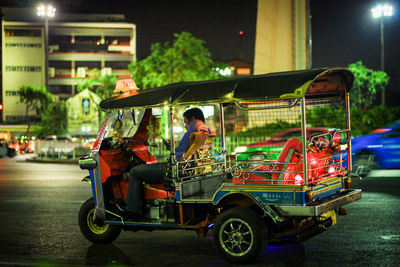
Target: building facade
[(78, 48)]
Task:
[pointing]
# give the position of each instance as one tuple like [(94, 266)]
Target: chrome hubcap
[(236, 237)]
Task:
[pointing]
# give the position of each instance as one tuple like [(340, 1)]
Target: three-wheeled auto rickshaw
[(285, 190)]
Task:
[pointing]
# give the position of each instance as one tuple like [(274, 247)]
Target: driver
[(155, 173)]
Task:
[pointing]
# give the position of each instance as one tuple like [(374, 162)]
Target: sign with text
[(123, 86), (23, 63)]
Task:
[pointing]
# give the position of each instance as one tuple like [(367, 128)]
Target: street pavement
[(39, 204)]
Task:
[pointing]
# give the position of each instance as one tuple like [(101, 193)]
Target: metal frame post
[(304, 137), (222, 131), (222, 126), (171, 133), (348, 124)]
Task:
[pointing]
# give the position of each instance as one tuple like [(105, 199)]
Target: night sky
[(343, 31)]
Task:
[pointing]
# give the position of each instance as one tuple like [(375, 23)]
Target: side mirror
[(87, 163)]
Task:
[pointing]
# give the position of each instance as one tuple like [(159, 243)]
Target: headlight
[(240, 149), (257, 157)]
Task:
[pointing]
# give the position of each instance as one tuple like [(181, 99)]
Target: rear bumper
[(331, 203)]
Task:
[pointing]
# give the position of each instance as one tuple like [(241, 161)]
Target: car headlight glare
[(240, 149)]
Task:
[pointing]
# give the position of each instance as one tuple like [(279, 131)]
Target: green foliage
[(185, 60), (367, 83), (54, 119), (326, 116), (34, 97), (269, 129), (52, 112), (364, 122), (103, 86)]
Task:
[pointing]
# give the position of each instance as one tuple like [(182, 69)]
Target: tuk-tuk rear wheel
[(93, 231), (239, 235)]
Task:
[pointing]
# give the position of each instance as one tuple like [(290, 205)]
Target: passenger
[(155, 173)]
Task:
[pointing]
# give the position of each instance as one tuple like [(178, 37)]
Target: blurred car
[(15, 144), (378, 150), (255, 151), (53, 145), (5, 150)]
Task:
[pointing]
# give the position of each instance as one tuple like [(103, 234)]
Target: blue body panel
[(270, 197), (325, 191), (93, 184), (283, 194)]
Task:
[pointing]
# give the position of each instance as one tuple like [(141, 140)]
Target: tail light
[(347, 183), (298, 180), (309, 196), (331, 169)]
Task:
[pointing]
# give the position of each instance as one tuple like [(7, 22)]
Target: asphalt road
[(39, 206)]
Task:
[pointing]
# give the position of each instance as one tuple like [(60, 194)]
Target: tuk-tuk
[(274, 168)]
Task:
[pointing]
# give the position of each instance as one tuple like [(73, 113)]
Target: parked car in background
[(274, 144), (6, 150), (378, 150), (53, 145), (63, 146), (15, 144)]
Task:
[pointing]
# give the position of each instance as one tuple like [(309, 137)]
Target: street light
[(46, 11), (380, 11)]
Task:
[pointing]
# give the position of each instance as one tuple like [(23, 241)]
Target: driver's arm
[(197, 139)]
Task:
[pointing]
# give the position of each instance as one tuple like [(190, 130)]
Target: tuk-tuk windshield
[(124, 123)]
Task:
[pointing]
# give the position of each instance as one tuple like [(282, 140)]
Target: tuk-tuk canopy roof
[(312, 84)]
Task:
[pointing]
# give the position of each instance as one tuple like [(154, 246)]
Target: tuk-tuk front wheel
[(239, 235), (92, 230)]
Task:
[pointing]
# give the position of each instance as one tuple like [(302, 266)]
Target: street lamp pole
[(46, 11), (382, 48), (381, 11), (46, 54)]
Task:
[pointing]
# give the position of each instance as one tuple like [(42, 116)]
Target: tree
[(54, 119), (35, 99), (367, 83), (101, 85), (186, 59)]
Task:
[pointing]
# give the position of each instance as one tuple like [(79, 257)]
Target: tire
[(364, 163), (239, 235), (11, 152), (99, 234)]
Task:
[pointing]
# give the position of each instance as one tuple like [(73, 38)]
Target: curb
[(60, 161)]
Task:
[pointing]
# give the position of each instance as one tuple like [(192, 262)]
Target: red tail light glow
[(331, 169)]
